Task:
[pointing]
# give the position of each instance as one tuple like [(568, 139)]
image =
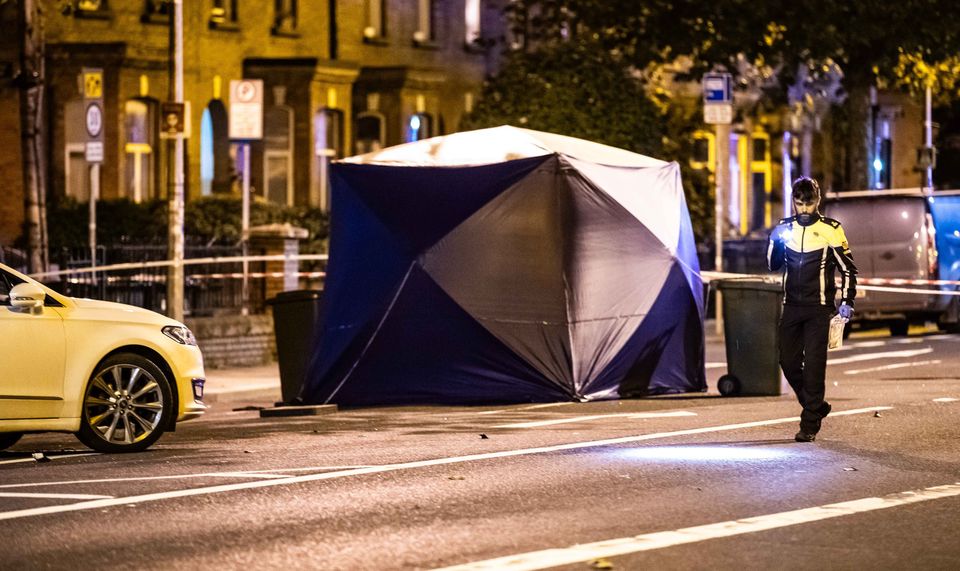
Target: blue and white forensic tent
[(507, 265)]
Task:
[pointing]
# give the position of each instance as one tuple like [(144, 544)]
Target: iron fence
[(213, 278)]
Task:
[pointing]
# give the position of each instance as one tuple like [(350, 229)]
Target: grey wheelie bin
[(751, 315), (295, 317)]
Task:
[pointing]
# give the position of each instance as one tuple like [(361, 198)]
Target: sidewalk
[(243, 384), (262, 383)]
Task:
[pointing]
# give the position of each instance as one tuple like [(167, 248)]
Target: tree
[(864, 37), (579, 89), (30, 80)]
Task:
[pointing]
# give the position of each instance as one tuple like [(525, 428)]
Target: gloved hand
[(845, 311)]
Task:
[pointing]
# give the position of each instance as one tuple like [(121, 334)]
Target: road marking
[(31, 459), (715, 364), (53, 496), (945, 399), (659, 540), (247, 474), (531, 407), (637, 415), (105, 503), (893, 366), (885, 355), (259, 474)]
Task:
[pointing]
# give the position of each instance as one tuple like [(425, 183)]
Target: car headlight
[(180, 334)]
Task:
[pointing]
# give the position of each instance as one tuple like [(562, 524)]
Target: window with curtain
[(472, 19), (328, 145), (139, 150), (278, 155), (376, 20), (223, 14), (370, 132), (285, 17), (426, 22)]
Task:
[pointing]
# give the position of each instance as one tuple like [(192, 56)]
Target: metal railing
[(212, 285)]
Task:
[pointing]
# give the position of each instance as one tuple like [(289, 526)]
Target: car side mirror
[(27, 296)]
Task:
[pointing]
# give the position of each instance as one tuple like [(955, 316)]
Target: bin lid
[(754, 284), (295, 295)]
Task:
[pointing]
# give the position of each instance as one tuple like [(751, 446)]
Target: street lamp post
[(175, 235)]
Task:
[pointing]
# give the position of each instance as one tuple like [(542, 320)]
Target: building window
[(139, 150), (156, 12), (328, 145), (285, 17), (376, 23), (88, 8), (471, 19), (371, 132), (426, 22), (223, 14), (420, 126), (278, 155), (216, 167)]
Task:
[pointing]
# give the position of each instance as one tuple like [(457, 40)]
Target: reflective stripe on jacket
[(809, 256)]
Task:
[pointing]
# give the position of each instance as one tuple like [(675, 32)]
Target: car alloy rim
[(123, 404)]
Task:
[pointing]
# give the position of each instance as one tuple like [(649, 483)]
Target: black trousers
[(803, 358)]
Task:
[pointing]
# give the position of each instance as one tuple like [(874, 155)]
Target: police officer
[(810, 249)]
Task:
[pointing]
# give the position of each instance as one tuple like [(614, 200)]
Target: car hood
[(110, 311)]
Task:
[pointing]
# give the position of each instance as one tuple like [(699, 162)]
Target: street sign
[(717, 88), (718, 114), (172, 119), (93, 120), (717, 99), (246, 109), (91, 81)]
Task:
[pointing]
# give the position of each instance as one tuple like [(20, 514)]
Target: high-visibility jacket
[(810, 255)]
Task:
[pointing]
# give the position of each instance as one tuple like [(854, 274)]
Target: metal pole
[(722, 180), (928, 138), (245, 228), (175, 273), (92, 226)]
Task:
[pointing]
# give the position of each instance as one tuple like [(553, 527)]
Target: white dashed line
[(893, 366), (52, 496), (884, 355), (650, 541), (945, 399), (637, 415), (61, 457)]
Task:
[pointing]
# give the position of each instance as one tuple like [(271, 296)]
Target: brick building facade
[(340, 77)]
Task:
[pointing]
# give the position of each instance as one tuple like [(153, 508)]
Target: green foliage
[(209, 220), (579, 89), (573, 89)]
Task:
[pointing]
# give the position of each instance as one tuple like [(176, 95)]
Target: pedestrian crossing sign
[(92, 84)]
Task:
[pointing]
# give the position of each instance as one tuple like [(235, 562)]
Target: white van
[(903, 234)]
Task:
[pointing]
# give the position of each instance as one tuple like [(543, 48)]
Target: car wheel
[(8, 439), (126, 406)]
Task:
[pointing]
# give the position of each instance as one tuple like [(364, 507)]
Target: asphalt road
[(694, 482)]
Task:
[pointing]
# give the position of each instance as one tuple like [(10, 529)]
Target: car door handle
[(887, 256)]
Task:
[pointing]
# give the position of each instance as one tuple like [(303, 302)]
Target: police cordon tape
[(864, 284), (186, 262)]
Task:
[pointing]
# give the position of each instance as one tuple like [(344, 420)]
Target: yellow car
[(117, 376)]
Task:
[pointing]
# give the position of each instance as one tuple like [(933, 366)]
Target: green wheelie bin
[(751, 316)]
